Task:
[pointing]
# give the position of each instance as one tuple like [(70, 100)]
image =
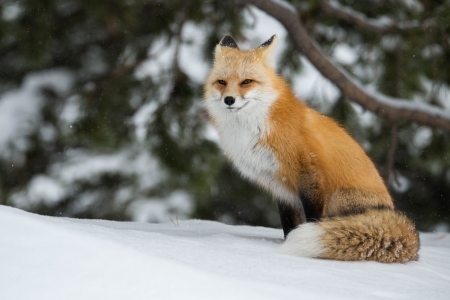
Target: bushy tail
[(382, 235)]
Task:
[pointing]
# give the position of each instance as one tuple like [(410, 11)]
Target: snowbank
[(56, 258)]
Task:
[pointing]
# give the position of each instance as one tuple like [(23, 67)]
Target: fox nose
[(229, 100)]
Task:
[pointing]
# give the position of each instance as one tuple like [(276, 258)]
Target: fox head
[(241, 81)]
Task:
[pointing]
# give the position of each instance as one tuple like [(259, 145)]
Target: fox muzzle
[(229, 100)]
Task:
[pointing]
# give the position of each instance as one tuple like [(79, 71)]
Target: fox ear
[(226, 41), (273, 39), (267, 48)]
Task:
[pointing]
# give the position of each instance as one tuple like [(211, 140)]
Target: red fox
[(316, 172)]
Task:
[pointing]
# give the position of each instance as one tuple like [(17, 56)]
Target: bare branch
[(393, 109), (380, 26), (390, 155), (174, 224)]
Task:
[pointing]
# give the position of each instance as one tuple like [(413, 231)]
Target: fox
[(333, 204)]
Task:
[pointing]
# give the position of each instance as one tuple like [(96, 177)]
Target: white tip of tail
[(305, 241)]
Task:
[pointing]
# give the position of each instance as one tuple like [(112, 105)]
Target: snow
[(189, 60), (80, 167), (161, 209), (437, 90), (60, 258), (210, 133), (11, 11), (19, 116), (413, 5), (45, 189), (160, 59), (381, 22), (71, 112), (143, 118), (286, 5), (422, 137), (309, 84), (366, 118), (345, 54), (399, 183), (263, 28), (396, 103), (20, 111)]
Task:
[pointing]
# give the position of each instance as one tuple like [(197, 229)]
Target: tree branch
[(393, 109), (378, 25)]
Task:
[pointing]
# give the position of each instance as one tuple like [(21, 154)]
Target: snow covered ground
[(59, 258)]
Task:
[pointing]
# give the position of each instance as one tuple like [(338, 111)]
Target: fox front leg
[(290, 217)]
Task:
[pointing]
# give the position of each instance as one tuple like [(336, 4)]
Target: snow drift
[(60, 258)]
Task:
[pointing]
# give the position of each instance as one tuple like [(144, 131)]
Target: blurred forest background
[(101, 113)]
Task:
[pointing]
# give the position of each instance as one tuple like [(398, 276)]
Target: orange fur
[(313, 148)]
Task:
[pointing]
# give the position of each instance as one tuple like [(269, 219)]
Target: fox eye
[(247, 81), (222, 82)]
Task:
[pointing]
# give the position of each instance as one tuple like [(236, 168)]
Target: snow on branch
[(393, 109), (380, 25)]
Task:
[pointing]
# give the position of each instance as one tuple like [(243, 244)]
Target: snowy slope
[(56, 258)]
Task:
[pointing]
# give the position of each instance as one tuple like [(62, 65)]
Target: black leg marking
[(312, 212), (290, 217)]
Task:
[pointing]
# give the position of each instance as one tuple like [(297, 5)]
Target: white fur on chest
[(240, 138), (240, 133)]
